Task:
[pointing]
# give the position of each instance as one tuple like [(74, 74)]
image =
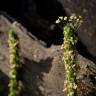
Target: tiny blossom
[(57, 21), (65, 18), (61, 18)]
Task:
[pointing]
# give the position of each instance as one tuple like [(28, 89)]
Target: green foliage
[(14, 60), (68, 46)]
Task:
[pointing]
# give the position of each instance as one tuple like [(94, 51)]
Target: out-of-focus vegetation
[(14, 60)]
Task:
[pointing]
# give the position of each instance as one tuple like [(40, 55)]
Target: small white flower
[(61, 18), (65, 18), (57, 21)]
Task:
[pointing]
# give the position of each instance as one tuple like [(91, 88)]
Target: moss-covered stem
[(14, 60), (69, 58), (70, 54), (70, 26)]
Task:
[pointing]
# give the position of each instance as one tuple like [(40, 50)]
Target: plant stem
[(69, 58), (71, 24), (14, 60)]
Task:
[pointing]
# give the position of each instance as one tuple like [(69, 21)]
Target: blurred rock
[(43, 69), (37, 16), (39, 73)]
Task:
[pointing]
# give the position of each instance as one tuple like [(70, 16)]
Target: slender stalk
[(69, 58), (68, 46), (14, 60)]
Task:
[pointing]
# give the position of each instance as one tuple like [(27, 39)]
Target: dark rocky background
[(40, 40), (37, 16), (87, 32)]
